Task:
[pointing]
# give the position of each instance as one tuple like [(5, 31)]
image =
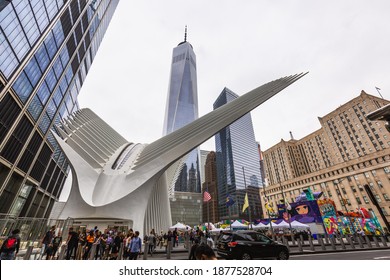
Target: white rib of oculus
[(137, 190)]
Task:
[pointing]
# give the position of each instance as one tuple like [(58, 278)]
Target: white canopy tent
[(282, 224), (237, 224), (260, 225), (179, 226), (298, 225)]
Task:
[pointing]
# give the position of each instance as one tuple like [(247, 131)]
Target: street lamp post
[(269, 216)]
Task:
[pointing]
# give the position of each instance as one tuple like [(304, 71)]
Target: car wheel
[(283, 255), (246, 256)]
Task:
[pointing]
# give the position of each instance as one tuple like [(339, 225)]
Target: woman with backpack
[(10, 247)]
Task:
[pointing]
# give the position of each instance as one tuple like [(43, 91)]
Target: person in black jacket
[(10, 247)]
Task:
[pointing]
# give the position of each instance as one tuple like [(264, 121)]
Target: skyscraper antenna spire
[(185, 34)]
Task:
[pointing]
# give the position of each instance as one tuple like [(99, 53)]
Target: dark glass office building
[(46, 50), (237, 156)]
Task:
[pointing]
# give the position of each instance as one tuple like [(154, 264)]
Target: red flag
[(206, 196)]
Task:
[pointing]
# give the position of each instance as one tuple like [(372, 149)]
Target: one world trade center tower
[(181, 109)]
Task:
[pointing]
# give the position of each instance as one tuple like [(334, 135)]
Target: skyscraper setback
[(46, 50)]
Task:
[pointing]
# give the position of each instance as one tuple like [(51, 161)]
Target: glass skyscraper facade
[(237, 156), (181, 109), (46, 50)]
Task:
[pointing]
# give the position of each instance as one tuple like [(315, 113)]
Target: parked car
[(247, 244)]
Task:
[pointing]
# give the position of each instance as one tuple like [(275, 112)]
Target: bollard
[(360, 241), (383, 241), (284, 240), (293, 239), (146, 249), (376, 241), (169, 248), (350, 241), (300, 249), (301, 236), (27, 255), (368, 241), (311, 243), (120, 254), (321, 241), (326, 238), (342, 243), (61, 255), (92, 252), (333, 242), (278, 239)]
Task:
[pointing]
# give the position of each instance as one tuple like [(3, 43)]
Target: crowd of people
[(108, 243)]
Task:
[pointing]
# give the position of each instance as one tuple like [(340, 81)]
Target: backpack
[(10, 243)]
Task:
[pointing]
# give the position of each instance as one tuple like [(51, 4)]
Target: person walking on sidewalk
[(135, 246), (10, 247)]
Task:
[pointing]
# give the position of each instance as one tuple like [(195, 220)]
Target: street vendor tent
[(298, 225), (179, 226), (237, 224), (260, 225), (282, 224)]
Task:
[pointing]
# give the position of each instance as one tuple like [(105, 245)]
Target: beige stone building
[(346, 153)]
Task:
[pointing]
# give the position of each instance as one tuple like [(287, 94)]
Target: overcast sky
[(345, 45)]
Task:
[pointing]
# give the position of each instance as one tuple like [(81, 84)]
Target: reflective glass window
[(51, 79), (43, 93), (50, 45), (33, 72), (58, 68), (64, 55), (22, 87), (40, 14), (58, 33), (35, 108), (57, 96), (13, 31), (42, 58), (7, 57), (51, 109), (45, 123), (51, 7), (27, 20)]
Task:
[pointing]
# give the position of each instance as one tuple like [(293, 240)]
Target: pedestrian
[(151, 242), (46, 242), (90, 240), (56, 243), (135, 246), (10, 247), (72, 243)]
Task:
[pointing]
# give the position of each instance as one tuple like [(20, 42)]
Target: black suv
[(246, 245)]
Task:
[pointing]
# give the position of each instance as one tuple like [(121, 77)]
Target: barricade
[(333, 242), (321, 241), (383, 241), (342, 243), (350, 241), (360, 240), (376, 241), (300, 249), (311, 243), (368, 241)]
